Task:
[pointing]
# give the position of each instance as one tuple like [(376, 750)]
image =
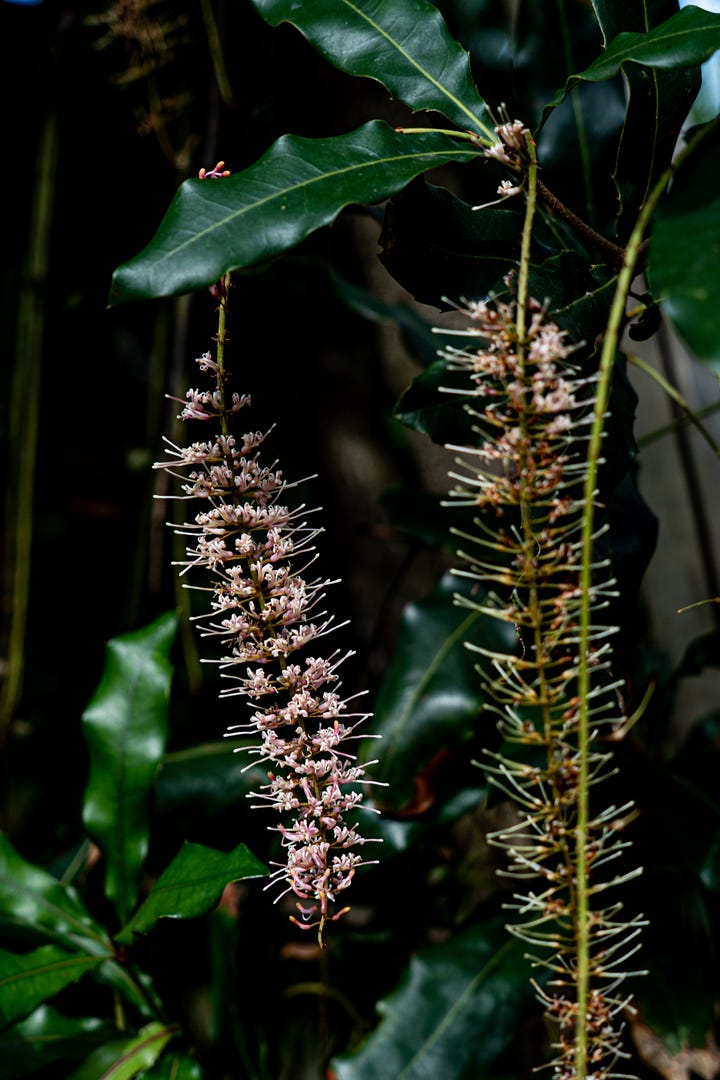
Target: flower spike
[(266, 615), (531, 406)]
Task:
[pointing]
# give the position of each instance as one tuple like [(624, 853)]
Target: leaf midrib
[(283, 192)]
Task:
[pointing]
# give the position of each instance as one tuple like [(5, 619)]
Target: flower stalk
[(539, 417), (252, 551)]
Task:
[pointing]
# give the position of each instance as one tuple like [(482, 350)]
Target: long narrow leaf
[(404, 44), (299, 185), (125, 728)]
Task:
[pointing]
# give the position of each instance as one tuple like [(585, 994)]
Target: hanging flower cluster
[(532, 410), (255, 552)]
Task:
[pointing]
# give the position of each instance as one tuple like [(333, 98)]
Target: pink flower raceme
[(268, 616)]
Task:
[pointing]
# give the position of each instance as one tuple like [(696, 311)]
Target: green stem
[(689, 415), (470, 136), (524, 270), (220, 352), (614, 330), (216, 53), (25, 401), (679, 421), (529, 539)]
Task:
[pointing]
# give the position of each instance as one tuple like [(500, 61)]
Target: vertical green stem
[(216, 53), (524, 270), (24, 419), (221, 341), (582, 890), (607, 361)]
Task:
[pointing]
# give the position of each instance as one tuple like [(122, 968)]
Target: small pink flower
[(248, 542)]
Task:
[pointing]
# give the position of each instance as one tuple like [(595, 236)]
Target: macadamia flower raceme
[(267, 616), (531, 408)]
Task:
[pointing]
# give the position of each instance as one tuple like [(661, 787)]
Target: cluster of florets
[(532, 398), (532, 408), (511, 150), (266, 614)]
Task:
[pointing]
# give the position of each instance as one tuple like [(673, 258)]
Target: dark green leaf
[(657, 104), (47, 1036), (124, 1058), (460, 1004), (438, 247), (676, 1001), (300, 184), (432, 696), (686, 39), (206, 780), (425, 407), (28, 979), (34, 899), (125, 727), (684, 253), (192, 885), (405, 44), (578, 295)]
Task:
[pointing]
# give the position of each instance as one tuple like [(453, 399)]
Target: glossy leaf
[(404, 44), (686, 39), (192, 885), (207, 779), (35, 900), (578, 295), (460, 1004), (28, 979), (683, 257), (657, 104), (125, 728), (300, 184), (431, 698), (124, 1058), (47, 1036)]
